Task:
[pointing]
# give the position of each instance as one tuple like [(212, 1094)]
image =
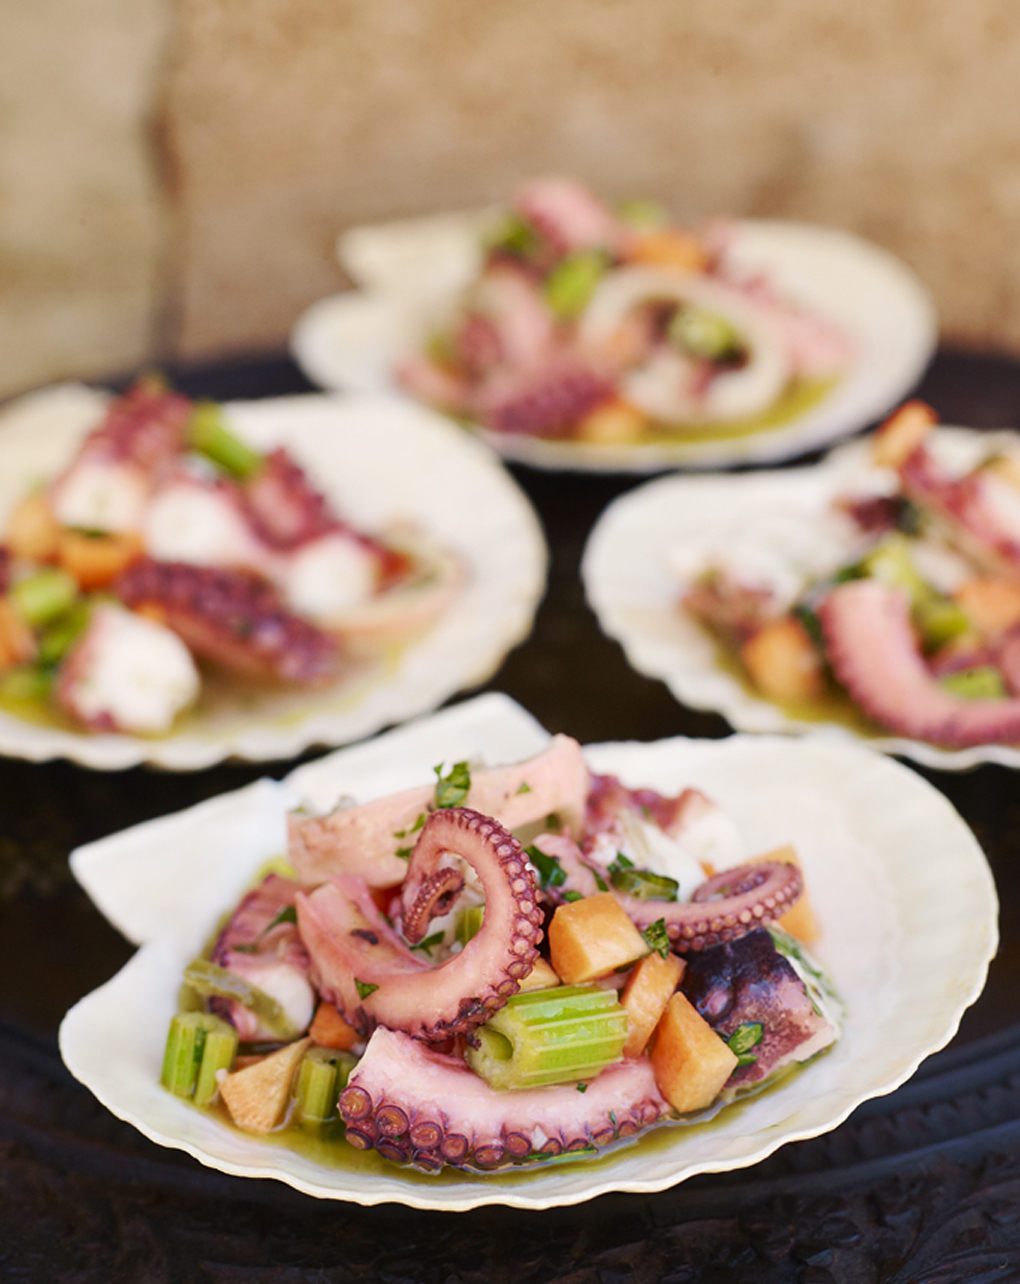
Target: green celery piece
[(983, 682), (643, 215), (43, 596), (469, 922), (559, 1035), (26, 682), (58, 638), (322, 1075), (210, 979), (704, 334), (940, 620), (572, 282), (938, 617), (643, 884), (890, 562), (210, 436), (198, 1044)]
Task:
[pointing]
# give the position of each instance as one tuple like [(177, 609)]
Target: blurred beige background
[(173, 172)]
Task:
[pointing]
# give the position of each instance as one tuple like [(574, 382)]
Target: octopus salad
[(905, 598), (606, 325), (505, 967), (168, 543)]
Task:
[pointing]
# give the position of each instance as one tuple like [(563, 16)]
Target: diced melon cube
[(691, 1062), (800, 921), (991, 601), (330, 1030), (649, 988), (783, 662), (541, 977), (901, 434), (257, 1096), (32, 531), (592, 937), (613, 422)]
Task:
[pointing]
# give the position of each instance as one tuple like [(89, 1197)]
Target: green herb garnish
[(656, 937), (365, 988), (550, 872), (453, 788)]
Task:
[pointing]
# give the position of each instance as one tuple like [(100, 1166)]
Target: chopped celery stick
[(550, 1036), (704, 334), (981, 683), (210, 436), (211, 979), (58, 638), (26, 682), (197, 1045), (512, 235), (469, 921), (940, 619), (44, 595), (644, 215), (322, 1076), (570, 284), (643, 884), (890, 562)]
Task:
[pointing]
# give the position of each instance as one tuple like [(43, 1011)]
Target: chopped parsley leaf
[(524, 787), (435, 939), (365, 988), (657, 938), (453, 788), (572, 896), (550, 872)]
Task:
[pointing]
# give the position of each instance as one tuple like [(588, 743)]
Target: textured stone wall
[(81, 213), (281, 121)]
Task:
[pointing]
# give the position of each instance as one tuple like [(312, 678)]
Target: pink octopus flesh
[(871, 646), (417, 1106), (366, 968)]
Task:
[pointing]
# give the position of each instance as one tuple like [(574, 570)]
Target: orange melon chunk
[(691, 1062), (649, 988), (783, 662), (591, 938)]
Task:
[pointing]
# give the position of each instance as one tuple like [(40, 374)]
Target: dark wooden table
[(920, 1186)]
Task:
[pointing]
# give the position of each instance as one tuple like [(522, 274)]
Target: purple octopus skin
[(570, 217), (5, 569), (145, 427), (746, 982), (233, 618), (546, 402), (723, 908), (260, 947), (363, 966), (870, 644), (420, 1107), (283, 506)]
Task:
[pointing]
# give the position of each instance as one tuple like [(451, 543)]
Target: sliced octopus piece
[(261, 944), (979, 512), (731, 394), (364, 966), (724, 907), (232, 618), (420, 1107), (750, 982), (873, 651), (107, 485), (364, 839)]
